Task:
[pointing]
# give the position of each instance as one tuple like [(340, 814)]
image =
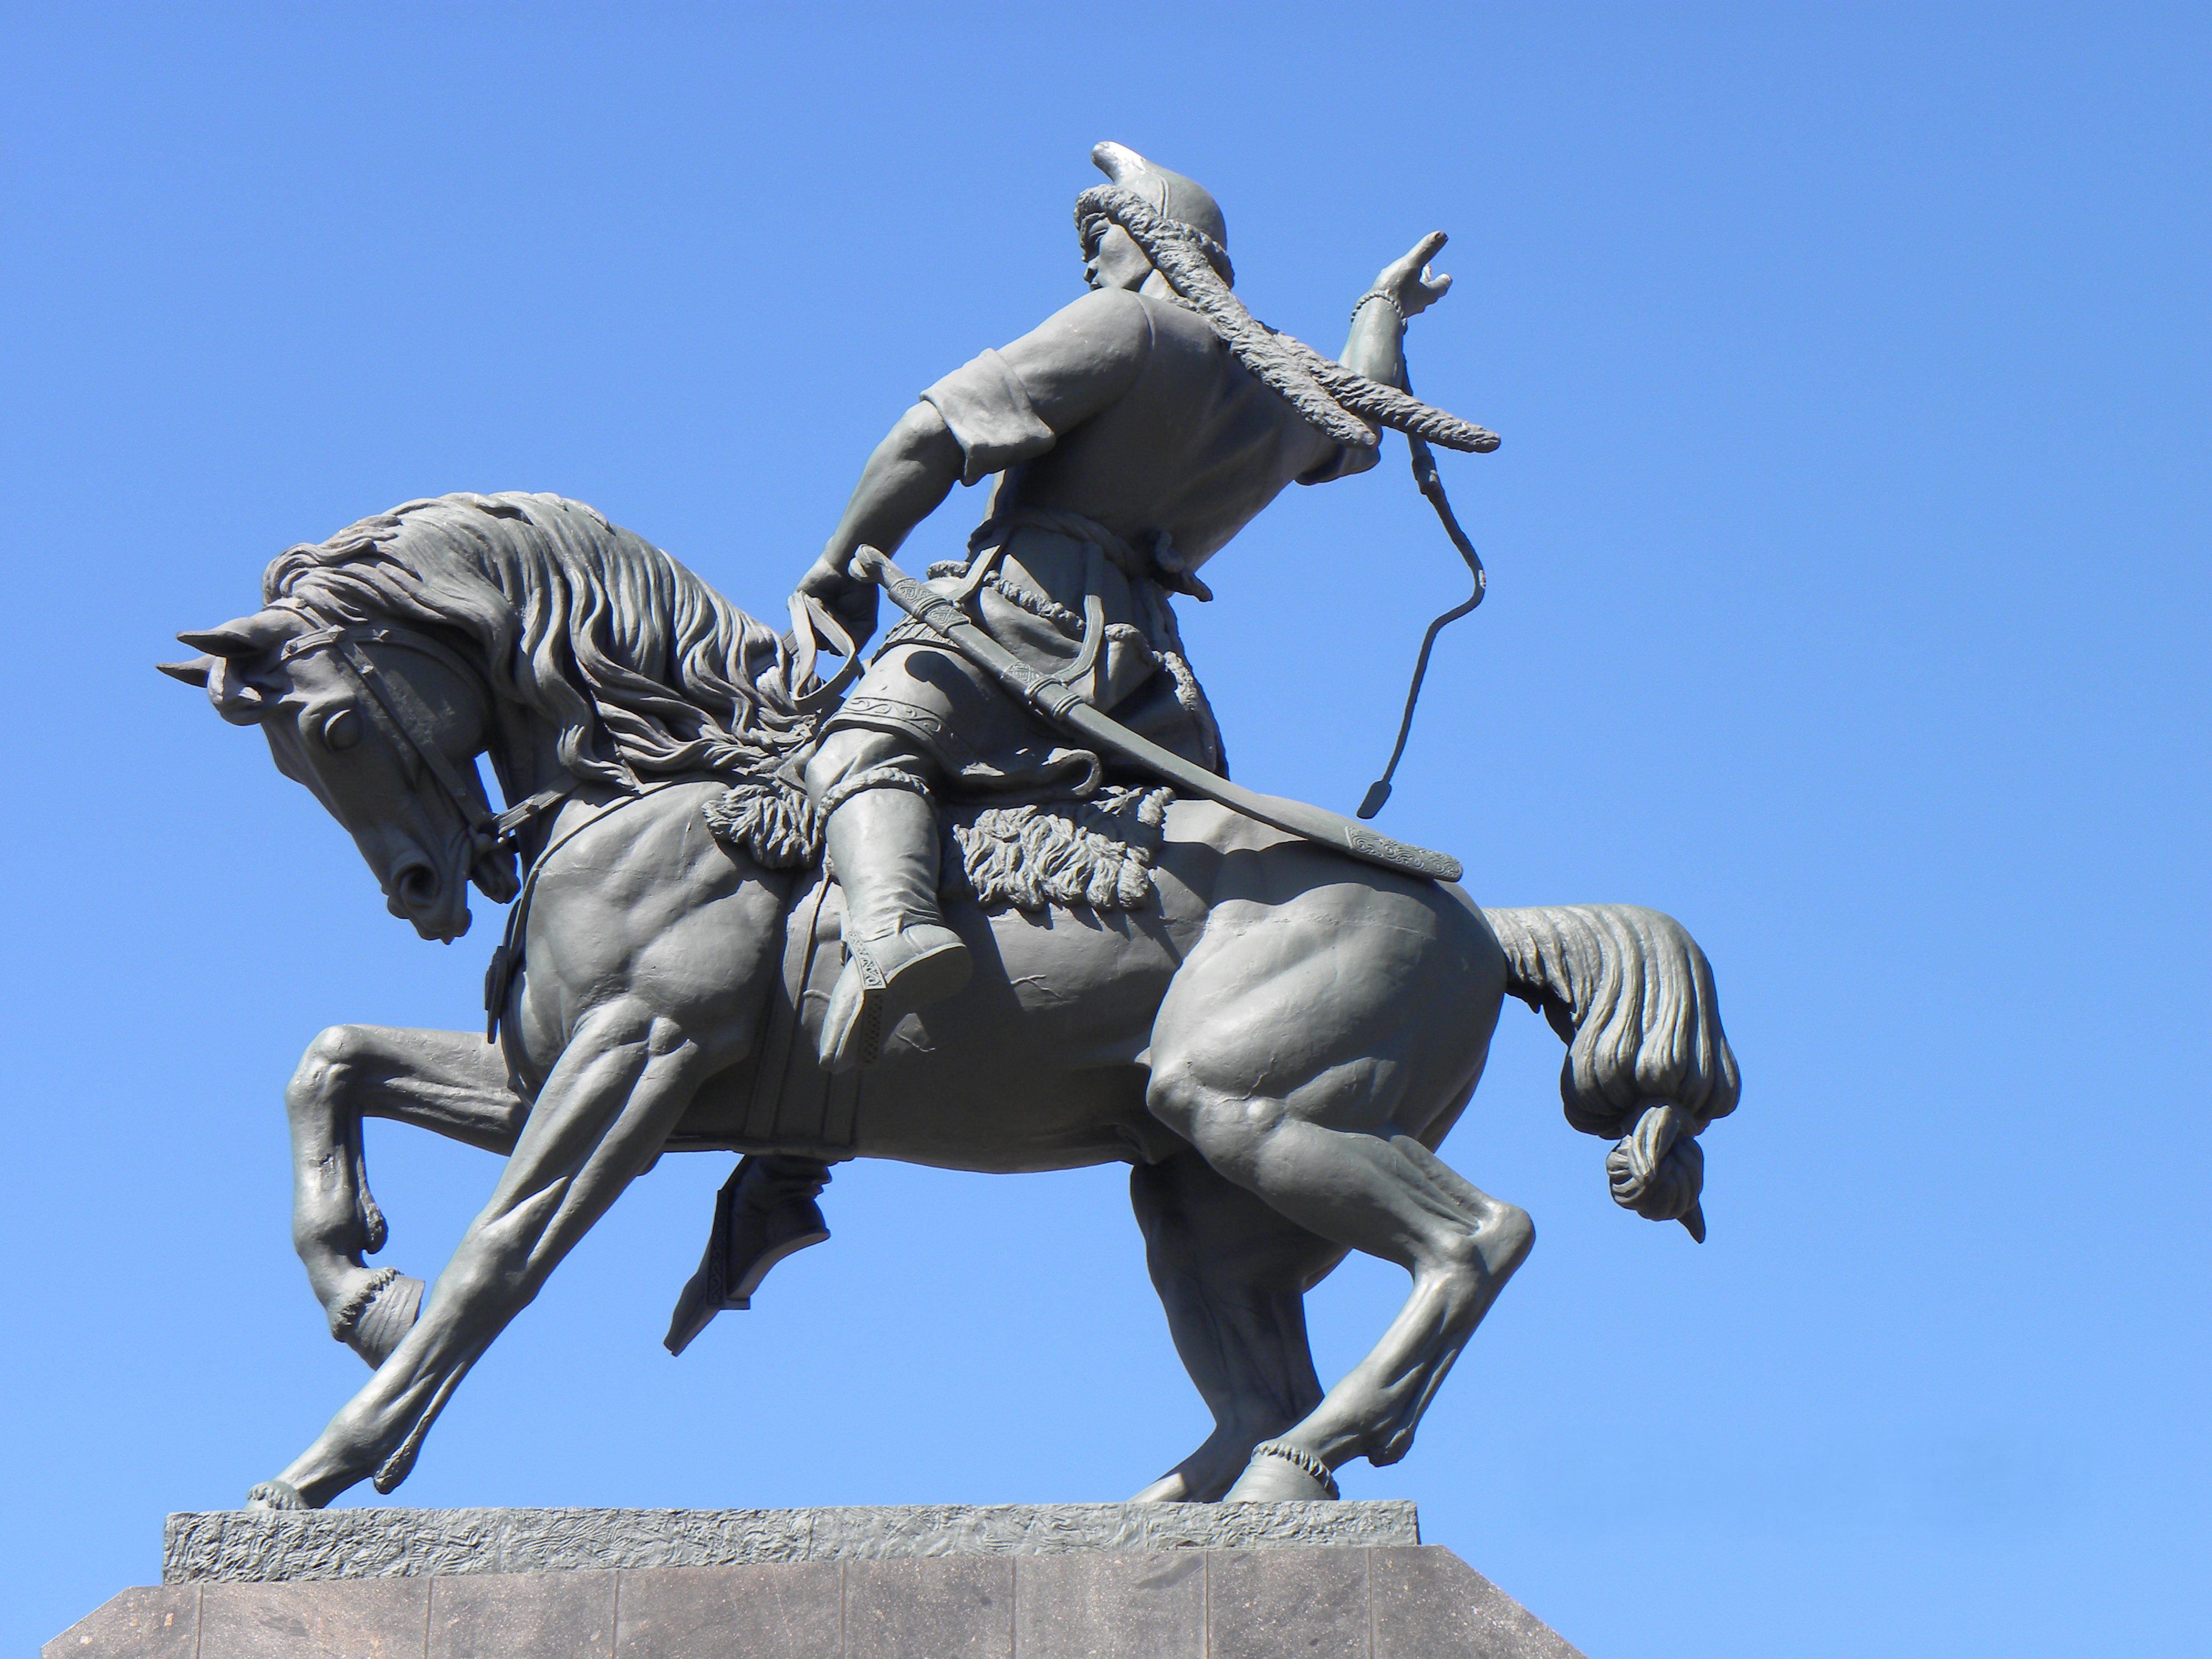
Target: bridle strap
[(403, 712), (414, 721), (513, 822)]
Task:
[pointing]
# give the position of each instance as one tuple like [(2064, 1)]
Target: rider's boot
[(899, 955), (765, 1212)]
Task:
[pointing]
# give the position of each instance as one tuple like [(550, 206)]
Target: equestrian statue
[(986, 900)]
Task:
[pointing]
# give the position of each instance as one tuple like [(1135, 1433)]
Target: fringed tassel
[(1095, 854), (770, 821)]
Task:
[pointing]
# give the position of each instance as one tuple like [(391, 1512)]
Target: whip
[(1432, 486)]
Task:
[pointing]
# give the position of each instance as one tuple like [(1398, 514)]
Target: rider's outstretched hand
[(1409, 282)]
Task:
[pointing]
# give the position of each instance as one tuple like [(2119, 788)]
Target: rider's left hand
[(850, 598), (1409, 282)]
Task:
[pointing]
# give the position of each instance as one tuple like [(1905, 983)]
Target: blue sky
[(1848, 600)]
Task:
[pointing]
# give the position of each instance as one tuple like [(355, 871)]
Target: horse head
[(388, 657), (383, 725)]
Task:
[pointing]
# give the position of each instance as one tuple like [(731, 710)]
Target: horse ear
[(222, 666), (194, 672), (243, 637), (237, 700)]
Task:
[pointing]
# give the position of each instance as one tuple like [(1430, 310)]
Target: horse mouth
[(417, 893)]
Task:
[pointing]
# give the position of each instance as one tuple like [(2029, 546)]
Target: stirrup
[(883, 981)]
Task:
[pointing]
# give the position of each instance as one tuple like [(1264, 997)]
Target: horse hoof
[(383, 1317), (1282, 1474), (1169, 1488), (275, 1495)]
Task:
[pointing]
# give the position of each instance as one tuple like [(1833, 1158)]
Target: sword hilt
[(1050, 698)]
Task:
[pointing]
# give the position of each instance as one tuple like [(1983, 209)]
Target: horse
[(1276, 1038)]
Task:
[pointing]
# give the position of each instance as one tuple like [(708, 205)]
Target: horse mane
[(645, 668)]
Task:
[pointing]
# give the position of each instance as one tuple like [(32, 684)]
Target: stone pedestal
[(1180, 1581)]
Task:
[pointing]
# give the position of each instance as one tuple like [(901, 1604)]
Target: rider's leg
[(765, 1212), (872, 788)]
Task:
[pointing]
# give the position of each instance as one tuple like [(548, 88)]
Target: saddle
[(1094, 853), (792, 1120)]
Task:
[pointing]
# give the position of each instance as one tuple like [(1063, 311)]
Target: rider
[(1133, 438)]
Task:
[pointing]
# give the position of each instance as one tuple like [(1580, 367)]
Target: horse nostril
[(415, 884)]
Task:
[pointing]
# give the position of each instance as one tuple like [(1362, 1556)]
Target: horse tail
[(1631, 995)]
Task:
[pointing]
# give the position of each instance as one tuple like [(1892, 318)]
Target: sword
[(1063, 706)]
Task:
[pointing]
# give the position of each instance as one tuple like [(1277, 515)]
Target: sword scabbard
[(1062, 705)]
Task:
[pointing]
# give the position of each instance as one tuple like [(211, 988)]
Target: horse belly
[(1009, 1122), (1037, 1065), (1033, 1066)]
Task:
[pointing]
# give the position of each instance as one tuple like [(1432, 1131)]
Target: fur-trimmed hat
[(1172, 196)]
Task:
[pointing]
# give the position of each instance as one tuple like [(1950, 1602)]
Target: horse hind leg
[(1308, 1114), (1461, 1248), (1387, 1194), (451, 1082), (1233, 1275)]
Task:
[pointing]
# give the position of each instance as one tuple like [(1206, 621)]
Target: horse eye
[(341, 730)]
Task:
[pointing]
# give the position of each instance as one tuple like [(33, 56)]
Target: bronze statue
[(1019, 953), (1134, 433)]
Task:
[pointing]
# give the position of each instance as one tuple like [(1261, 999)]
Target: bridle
[(392, 705), (395, 708)]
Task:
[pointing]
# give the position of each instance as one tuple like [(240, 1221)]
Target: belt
[(1161, 565)]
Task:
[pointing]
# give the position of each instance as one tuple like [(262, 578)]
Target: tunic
[(1131, 447)]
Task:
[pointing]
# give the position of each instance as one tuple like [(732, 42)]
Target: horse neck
[(525, 750)]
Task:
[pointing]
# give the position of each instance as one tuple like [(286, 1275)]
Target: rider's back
[(1157, 427)]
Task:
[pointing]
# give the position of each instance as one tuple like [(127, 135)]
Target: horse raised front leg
[(602, 1117), (452, 1083), (1233, 1274)]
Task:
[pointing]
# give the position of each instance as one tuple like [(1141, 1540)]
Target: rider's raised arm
[(1375, 344), (1405, 289)]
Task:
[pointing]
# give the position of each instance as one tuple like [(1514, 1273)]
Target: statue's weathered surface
[(1149, 1581), (1275, 1037)]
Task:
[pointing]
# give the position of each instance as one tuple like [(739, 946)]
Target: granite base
[(928, 1583)]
